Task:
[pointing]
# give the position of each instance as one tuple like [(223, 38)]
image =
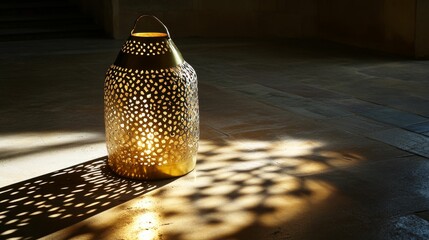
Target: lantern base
[(154, 172)]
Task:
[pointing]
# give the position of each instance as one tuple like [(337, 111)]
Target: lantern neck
[(149, 50)]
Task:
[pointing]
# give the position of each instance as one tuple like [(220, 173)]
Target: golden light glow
[(149, 34), (151, 116), (142, 223)]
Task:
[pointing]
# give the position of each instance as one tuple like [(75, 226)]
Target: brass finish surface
[(151, 109)]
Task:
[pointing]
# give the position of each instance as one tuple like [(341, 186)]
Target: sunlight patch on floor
[(35, 153)]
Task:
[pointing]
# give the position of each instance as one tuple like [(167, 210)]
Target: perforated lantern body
[(151, 110)]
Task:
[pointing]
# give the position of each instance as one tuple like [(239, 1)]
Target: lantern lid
[(149, 48)]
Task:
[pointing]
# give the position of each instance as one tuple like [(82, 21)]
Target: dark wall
[(394, 26), (223, 18), (387, 25), (422, 29), (101, 11)]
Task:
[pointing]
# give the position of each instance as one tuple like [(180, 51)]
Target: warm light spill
[(145, 223), (39, 152), (246, 183)]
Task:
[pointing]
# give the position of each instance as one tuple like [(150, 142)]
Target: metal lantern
[(151, 108)]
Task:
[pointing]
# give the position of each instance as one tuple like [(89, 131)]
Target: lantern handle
[(159, 21)]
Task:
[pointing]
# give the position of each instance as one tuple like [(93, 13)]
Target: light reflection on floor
[(145, 225)]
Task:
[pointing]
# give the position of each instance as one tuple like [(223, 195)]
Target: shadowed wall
[(222, 18), (386, 25), (393, 26)]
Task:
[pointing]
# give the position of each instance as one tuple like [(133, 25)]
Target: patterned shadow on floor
[(45, 204)]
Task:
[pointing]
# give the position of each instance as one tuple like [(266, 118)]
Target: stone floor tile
[(394, 117), (402, 139), (356, 124), (410, 104), (406, 71), (306, 91), (355, 105), (293, 103), (418, 127), (406, 227), (392, 177)]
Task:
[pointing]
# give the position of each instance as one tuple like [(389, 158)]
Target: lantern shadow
[(48, 203)]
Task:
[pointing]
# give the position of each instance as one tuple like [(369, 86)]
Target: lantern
[(151, 108)]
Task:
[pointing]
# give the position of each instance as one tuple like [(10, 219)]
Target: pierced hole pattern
[(152, 121), (146, 49)]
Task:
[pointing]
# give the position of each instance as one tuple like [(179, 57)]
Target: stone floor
[(299, 140)]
